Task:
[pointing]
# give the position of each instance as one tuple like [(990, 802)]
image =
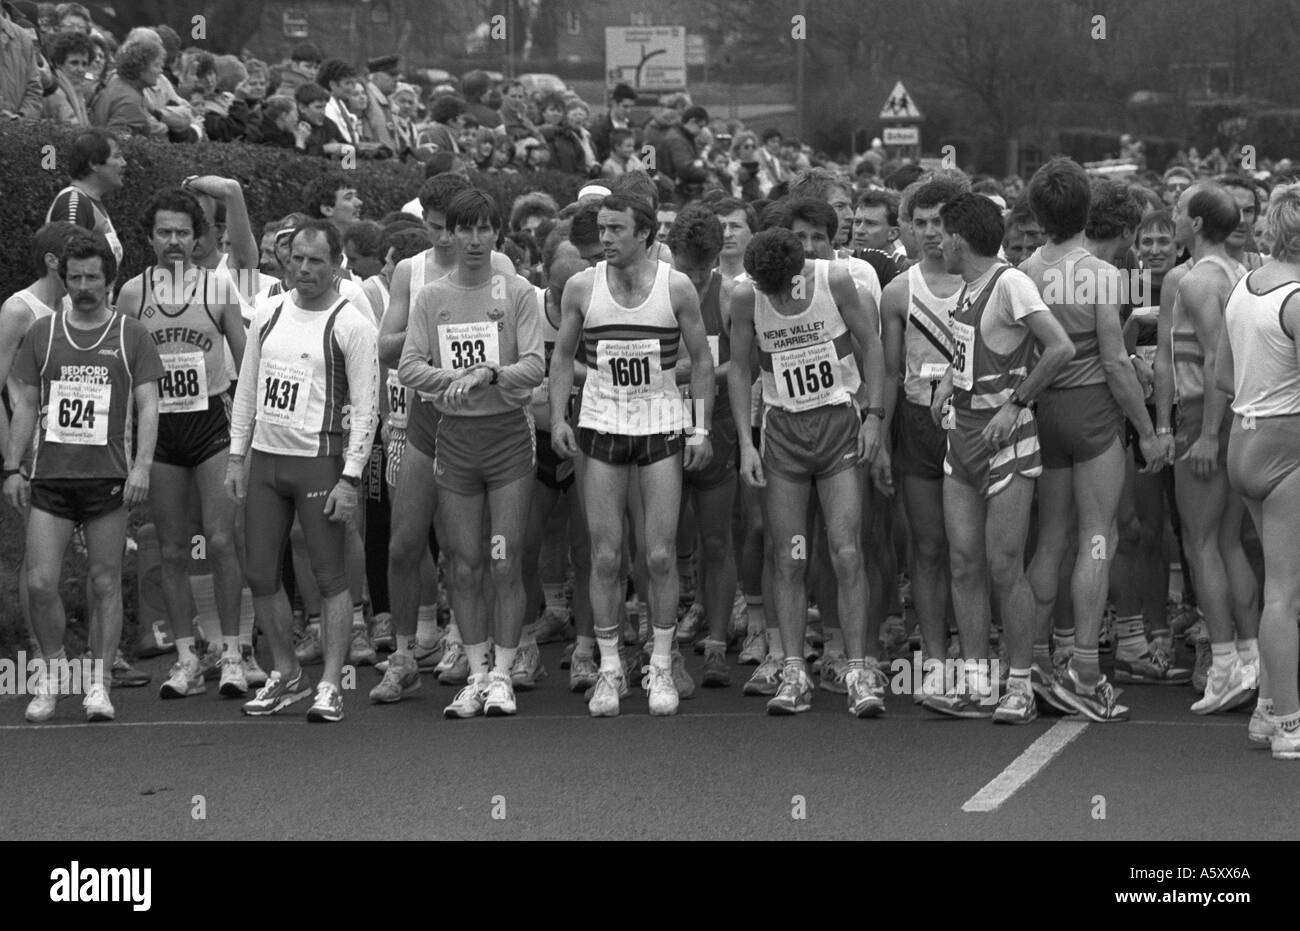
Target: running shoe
[(1285, 744), (209, 660), (663, 693), (688, 625), (610, 687), (499, 697), (583, 673), (381, 633), (1040, 680), (233, 682), (47, 692), (527, 669), (717, 674), (682, 681), (401, 678), (566, 656), (328, 706), (99, 708), (1155, 666), (254, 674), (893, 637), (766, 679), (1017, 706), (831, 672), (1226, 689), (1100, 703), (794, 696), (755, 648), (866, 690), (126, 676), (931, 682), (1261, 729), (453, 668), (308, 650), (360, 651), (739, 620), (278, 694), (468, 702), (184, 679), (555, 626), (958, 703)]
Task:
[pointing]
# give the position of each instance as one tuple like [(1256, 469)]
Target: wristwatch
[(353, 480), (1017, 400), (878, 411)]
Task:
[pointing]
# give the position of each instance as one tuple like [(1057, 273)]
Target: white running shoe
[(97, 705), (499, 699), (663, 694), (185, 678), (233, 682), (610, 687), (468, 702), (254, 674)]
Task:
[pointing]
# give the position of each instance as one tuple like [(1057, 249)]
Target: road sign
[(900, 105), (650, 58), (696, 50), (902, 135)]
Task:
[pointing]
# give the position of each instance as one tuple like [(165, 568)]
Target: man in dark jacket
[(618, 116), (674, 140)]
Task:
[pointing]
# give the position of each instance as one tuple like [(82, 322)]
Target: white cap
[(594, 189)]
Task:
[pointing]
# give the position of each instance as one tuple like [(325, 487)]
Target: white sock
[(1248, 650), (608, 643), (426, 625), (185, 650), (478, 657), (246, 618), (359, 617), (453, 633), (230, 645), (505, 659), (662, 654)]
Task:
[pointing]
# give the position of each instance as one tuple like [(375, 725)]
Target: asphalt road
[(720, 769)]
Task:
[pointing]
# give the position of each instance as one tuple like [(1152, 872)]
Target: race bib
[(184, 385), (78, 413), (805, 376), (934, 371), (465, 345), (284, 389), (963, 366), (396, 401), (630, 366)]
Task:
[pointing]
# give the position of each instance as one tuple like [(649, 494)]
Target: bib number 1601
[(629, 371)]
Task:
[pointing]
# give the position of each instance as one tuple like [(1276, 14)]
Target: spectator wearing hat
[(304, 63), (483, 99), (20, 80), (618, 116), (384, 72)]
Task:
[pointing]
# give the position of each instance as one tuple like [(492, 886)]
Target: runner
[(1080, 430), (84, 375), (993, 454), (1259, 365), (96, 166), (309, 416), (696, 241), (191, 317), (1190, 321), (916, 313), (486, 347), (813, 344), (632, 314)]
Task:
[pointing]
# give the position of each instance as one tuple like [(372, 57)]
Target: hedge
[(273, 181)]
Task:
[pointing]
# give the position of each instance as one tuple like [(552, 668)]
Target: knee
[(929, 551), (1005, 569), (508, 564), (175, 556), (220, 544), (963, 566), (606, 561), (716, 548), (846, 558), (105, 581), (466, 571), (42, 584), (660, 560)]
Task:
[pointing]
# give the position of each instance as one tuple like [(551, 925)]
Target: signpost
[(901, 117), (649, 58)]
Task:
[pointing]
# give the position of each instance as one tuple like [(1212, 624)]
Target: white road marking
[(1025, 767)]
